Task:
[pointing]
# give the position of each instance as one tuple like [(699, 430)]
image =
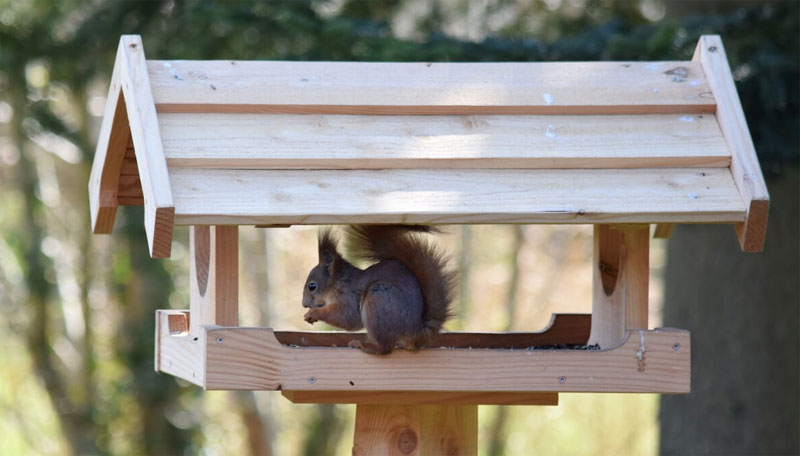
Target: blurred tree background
[(77, 310)]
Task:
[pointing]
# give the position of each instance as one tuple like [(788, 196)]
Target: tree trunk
[(744, 316)]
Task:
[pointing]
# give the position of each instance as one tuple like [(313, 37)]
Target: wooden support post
[(214, 276), (621, 277), (416, 430)]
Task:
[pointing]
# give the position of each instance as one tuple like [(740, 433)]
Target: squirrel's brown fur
[(403, 299)]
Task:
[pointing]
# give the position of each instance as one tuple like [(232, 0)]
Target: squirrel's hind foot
[(371, 349)]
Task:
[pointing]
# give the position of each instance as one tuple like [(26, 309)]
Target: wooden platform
[(485, 368)]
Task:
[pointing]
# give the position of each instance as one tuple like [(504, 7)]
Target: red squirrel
[(402, 299)]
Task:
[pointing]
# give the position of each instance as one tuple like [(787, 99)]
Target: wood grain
[(621, 268), (420, 397), (143, 123), (269, 141), (130, 186), (380, 88), (253, 359), (182, 354), (109, 155), (416, 430), (213, 276), (265, 197), (448, 429), (663, 230), (744, 161), (387, 430)]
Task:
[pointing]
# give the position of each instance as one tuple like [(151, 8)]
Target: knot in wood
[(407, 441), (202, 252), (608, 276)]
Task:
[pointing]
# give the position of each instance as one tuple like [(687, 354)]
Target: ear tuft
[(327, 248)]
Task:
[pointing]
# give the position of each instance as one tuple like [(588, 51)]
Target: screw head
[(676, 346), (712, 49), (562, 379), (312, 380), (219, 340)]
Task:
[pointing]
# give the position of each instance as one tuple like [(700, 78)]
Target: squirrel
[(402, 300)]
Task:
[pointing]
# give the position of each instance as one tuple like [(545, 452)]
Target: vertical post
[(620, 282), (213, 276), (416, 430)]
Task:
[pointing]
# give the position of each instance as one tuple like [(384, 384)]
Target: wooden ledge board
[(233, 358), (292, 141), (251, 358), (378, 88), (744, 161), (278, 197)]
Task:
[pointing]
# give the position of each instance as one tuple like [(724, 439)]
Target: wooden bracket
[(621, 279), (214, 276), (744, 161)]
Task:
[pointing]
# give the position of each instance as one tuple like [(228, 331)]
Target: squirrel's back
[(426, 262)]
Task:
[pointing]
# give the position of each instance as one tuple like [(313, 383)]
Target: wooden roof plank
[(377, 88), (430, 196), (291, 141)]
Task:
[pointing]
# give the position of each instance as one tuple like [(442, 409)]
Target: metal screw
[(676, 346), (712, 49), (312, 379), (219, 340), (562, 379), (132, 45)]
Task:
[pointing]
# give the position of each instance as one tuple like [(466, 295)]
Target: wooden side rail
[(253, 359)]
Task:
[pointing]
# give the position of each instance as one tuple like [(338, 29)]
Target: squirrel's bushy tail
[(429, 265)]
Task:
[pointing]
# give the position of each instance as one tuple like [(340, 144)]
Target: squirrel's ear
[(328, 255)]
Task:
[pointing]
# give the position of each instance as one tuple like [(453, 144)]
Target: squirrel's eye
[(312, 286)]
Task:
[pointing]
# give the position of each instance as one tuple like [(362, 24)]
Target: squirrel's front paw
[(309, 317)]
